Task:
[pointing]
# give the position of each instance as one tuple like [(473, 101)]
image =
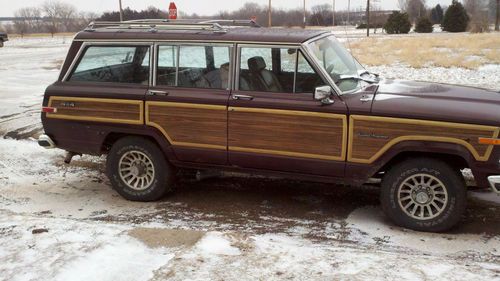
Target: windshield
[(338, 62)]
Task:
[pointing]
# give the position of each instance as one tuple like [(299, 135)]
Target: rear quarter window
[(119, 64)]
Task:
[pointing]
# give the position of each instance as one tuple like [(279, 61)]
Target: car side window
[(276, 70), (199, 66), (266, 69), (307, 79), (118, 64), (167, 65)]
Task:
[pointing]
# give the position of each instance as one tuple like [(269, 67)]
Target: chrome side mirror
[(323, 94)]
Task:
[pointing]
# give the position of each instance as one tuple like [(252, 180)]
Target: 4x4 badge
[(67, 104)]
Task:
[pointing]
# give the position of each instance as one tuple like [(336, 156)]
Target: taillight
[(47, 109)]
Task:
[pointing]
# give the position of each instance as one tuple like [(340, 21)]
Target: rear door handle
[(157, 93), (242, 97)]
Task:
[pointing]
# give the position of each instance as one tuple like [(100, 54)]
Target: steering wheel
[(335, 76), (105, 74)]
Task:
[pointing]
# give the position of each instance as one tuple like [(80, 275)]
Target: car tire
[(423, 194), (138, 170), (1, 43)]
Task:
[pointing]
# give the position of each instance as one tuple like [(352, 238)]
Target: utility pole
[(121, 11), (367, 18), (333, 13), (304, 23), (270, 14), (348, 11), (497, 22)]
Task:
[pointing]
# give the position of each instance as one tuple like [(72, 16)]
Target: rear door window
[(118, 64), (198, 66)]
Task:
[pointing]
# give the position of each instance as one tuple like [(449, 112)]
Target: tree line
[(476, 15), (54, 16), (51, 16)]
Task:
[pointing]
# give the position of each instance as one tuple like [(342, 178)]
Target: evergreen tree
[(398, 23), (437, 14), (424, 25), (456, 18)]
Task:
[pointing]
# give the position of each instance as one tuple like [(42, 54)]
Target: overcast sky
[(201, 7)]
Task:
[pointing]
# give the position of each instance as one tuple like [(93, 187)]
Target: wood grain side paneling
[(97, 110), (370, 137), (289, 133), (191, 125)]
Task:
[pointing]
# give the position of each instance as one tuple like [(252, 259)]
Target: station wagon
[(158, 97)]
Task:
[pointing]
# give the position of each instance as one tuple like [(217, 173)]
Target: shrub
[(424, 25), (455, 18), (363, 25), (397, 23)]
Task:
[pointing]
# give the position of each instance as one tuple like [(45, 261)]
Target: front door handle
[(366, 98), (242, 97), (157, 93)]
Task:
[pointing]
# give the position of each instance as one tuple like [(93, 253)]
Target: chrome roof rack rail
[(156, 24), (215, 25), (249, 23)]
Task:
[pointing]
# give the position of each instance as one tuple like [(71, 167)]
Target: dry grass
[(461, 50)]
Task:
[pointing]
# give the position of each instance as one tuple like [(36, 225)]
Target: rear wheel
[(138, 170), (1, 43), (423, 194)]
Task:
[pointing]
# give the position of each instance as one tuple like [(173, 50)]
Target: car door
[(274, 123), (188, 100)]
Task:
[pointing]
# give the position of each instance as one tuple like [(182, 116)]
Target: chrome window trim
[(104, 43), (178, 45), (305, 46), (295, 71), (321, 71), (66, 58)]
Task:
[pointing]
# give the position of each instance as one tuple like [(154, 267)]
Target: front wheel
[(138, 170), (423, 194)]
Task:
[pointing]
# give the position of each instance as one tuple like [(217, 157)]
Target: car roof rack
[(154, 25), (233, 23)]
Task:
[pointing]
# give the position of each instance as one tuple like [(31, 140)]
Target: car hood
[(433, 101)]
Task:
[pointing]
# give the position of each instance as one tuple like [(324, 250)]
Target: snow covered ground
[(60, 222)]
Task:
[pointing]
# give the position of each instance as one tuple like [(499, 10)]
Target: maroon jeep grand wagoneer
[(158, 96)]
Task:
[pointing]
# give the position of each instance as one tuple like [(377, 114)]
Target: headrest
[(256, 64)]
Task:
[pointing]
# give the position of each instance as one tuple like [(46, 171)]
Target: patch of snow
[(485, 77), (72, 250), (215, 243), (127, 260), (370, 221)]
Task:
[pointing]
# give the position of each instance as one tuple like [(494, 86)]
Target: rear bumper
[(495, 183), (46, 142)]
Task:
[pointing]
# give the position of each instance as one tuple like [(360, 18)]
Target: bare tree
[(21, 25), (416, 9), (403, 5), (321, 15), (66, 15), (478, 13), (497, 21), (51, 10)]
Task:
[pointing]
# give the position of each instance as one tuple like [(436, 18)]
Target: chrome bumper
[(46, 142), (495, 183)]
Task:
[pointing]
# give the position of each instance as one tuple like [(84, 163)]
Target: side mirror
[(323, 94)]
